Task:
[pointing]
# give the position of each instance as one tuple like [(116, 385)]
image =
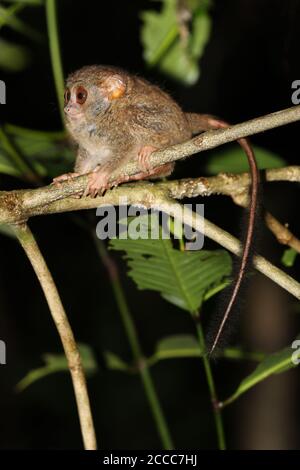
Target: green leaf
[(200, 34), (182, 278), (13, 57), (178, 347), (50, 157), (47, 153), (159, 31), (165, 48), (289, 257), (180, 65), (233, 160), (6, 166), (114, 362), (187, 346), (58, 363), (274, 364), (174, 347)]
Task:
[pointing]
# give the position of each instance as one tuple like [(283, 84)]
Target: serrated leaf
[(273, 364), (58, 363), (233, 160), (183, 278)]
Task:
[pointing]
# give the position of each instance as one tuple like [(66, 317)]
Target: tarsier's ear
[(115, 87)]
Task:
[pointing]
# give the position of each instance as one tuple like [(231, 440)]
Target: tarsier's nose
[(71, 110), (67, 109)]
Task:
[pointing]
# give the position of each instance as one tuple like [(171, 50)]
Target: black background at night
[(247, 70)]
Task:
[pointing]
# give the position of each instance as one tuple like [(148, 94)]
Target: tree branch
[(18, 206), (205, 141), (236, 186)]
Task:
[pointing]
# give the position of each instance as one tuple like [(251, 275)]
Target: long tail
[(203, 122)]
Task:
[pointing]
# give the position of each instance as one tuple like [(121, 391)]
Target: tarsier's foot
[(98, 182), (162, 170), (143, 158), (157, 172)]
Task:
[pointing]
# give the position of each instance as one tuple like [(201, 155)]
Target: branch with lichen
[(18, 206)]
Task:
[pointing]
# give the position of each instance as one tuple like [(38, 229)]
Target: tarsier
[(115, 117)]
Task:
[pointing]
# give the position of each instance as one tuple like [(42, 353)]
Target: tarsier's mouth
[(73, 115)]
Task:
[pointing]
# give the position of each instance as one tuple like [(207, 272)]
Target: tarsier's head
[(91, 91)]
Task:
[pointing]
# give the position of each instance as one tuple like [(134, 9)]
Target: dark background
[(247, 70)]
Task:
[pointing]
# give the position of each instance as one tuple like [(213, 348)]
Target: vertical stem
[(57, 68), (64, 329), (137, 353), (211, 387)]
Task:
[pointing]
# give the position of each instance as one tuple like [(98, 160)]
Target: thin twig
[(236, 186), (44, 276), (54, 46), (211, 387), (140, 360), (282, 233)]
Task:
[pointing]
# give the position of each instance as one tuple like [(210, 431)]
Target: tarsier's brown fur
[(115, 117)]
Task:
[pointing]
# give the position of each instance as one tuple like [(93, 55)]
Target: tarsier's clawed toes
[(115, 117)]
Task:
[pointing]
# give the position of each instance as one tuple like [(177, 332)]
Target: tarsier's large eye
[(67, 95), (81, 95)]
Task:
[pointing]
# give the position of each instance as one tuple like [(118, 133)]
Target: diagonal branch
[(18, 206), (205, 141)]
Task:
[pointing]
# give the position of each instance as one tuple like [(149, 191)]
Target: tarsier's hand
[(99, 180), (143, 158)]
